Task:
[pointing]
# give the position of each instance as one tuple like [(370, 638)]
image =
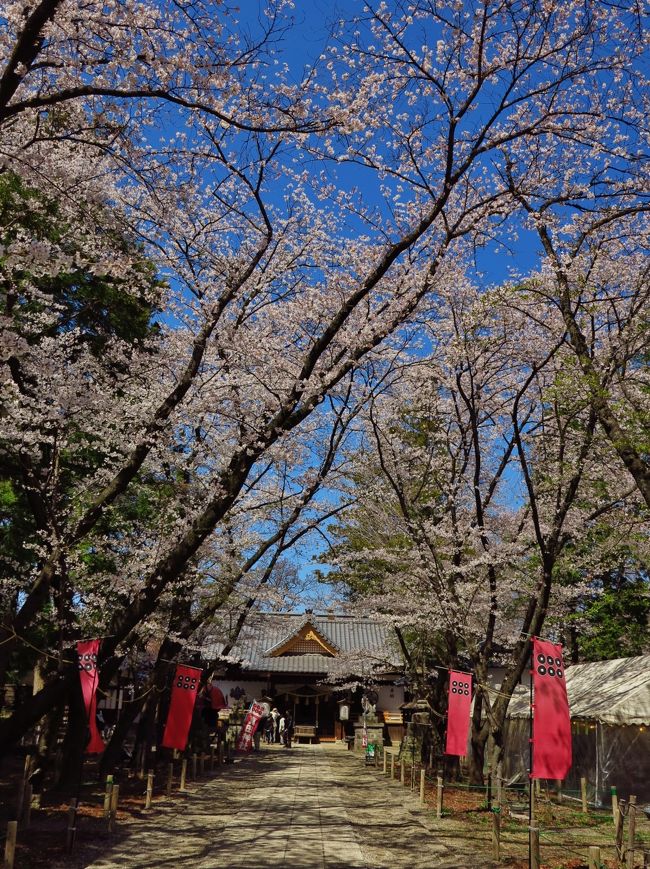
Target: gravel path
[(311, 807)]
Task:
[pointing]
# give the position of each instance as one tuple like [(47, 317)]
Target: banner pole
[(530, 761)]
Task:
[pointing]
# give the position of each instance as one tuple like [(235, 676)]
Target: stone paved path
[(313, 807)]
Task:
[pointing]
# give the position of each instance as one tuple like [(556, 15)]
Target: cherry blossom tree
[(483, 473), (279, 281)]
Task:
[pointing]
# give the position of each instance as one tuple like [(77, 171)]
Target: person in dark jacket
[(288, 730)]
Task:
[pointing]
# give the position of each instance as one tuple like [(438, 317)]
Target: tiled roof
[(364, 640)]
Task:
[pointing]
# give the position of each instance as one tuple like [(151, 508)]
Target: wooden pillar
[(583, 793), (149, 796), (439, 794), (183, 774), (72, 826), (392, 766), (112, 819), (10, 844), (401, 772), (212, 758), (107, 795), (385, 761), (594, 857), (620, 820), (614, 805), (631, 831), (534, 848), (496, 836), (422, 780)]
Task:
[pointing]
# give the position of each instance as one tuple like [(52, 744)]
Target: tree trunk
[(34, 708), (74, 744)]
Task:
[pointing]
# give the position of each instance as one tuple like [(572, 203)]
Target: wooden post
[(422, 779), (107, 795), (72, 826), (620, 820), (10, 844), (194, 767), (533, 803), (614, 805), (170, 778), (183, 774), (534, 848), (631, 831), (212, 758), (27, 806), (401, 772), (112, 818), (392, 766), (594, 857), (583, 792), (149, 796), (220, 754), (559, 790), (202, 762), (439, 798), (385, 762), (496, 836)]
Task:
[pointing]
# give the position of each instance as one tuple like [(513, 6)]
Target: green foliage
[(100, 308), (612, 618), (99, 305)]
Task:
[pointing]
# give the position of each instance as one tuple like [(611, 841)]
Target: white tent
[(610, 714)]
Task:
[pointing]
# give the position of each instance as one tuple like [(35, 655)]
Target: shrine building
[(317, 668)]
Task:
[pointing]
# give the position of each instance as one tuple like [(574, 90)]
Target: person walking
[(268, 729), (281, 726), (275, 715), (288, 730)]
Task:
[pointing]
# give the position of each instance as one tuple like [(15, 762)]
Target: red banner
[(87, 652), (245, 738), (181, 708), (458, 712), (551, 717)]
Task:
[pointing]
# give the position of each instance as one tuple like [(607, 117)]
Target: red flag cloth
[(458, 712), (181, 708), (551, 717), (87, 652), (245, 738)]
